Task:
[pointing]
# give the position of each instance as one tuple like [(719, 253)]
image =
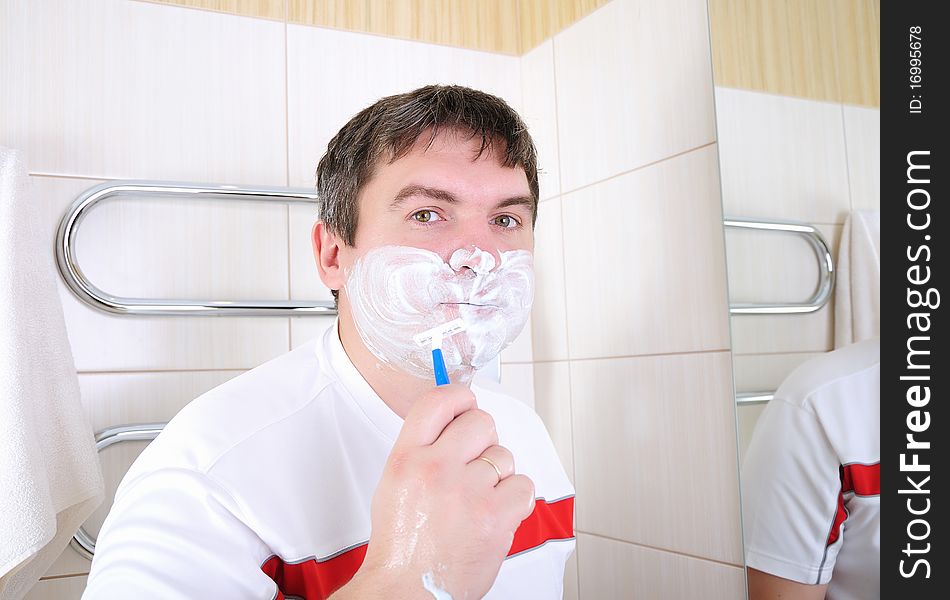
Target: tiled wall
[(787, 158), (631, 331), (627, 359)]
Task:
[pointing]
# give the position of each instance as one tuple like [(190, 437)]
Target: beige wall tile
[(340, 14), (490, 25), (644, 261), (746, 418), (157, 252), (520, 349), (781, 157), (765, 372), (322, 62), (862, 130), (610, 120), (757, 334), (517, 380), (570, 578), (655, 453), (305, 281), (613, 569), (857, 26), (540, 114), (64, 588), (549, 315), (124, 89), (552, 402), (267, 9), (807, 48), (304, 329)]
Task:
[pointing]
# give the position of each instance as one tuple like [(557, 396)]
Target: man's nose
[(475, 259)]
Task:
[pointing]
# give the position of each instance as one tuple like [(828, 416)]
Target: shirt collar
[(377, 411)]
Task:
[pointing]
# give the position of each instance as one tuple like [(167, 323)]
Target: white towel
[(50, 480), (858, 284)]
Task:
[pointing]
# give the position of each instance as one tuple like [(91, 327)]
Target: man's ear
[(326, 253)]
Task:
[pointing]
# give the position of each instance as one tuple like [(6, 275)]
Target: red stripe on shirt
[(864, 480), (317, 580)]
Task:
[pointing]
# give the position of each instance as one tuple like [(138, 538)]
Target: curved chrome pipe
[(826, 266), (84, 543), (100, 300), (749, 398)]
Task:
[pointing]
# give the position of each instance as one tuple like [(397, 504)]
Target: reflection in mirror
[(797, 112)]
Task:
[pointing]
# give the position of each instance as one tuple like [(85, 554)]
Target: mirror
[(798, 121)]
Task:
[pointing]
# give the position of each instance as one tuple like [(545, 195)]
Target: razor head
[(433, 337)]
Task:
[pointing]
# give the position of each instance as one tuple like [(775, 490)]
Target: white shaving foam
[(428, 582), (396, 292)]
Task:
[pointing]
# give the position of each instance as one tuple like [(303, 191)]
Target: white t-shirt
[(261, 488), (811, 477)]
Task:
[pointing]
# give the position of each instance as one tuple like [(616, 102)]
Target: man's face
[(440, 237), (440, 200)]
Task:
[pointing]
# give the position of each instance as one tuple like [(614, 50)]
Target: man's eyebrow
[(421, 190), (446, 196)]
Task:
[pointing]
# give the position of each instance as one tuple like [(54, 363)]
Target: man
[(811, 482), (339, 468)]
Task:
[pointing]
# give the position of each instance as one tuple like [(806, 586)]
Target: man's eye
[(425, 216), (506, 221)]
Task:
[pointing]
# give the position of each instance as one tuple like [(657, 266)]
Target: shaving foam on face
[(396, 292)]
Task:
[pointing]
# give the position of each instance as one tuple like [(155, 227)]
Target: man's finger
[(468, 435), (430, 414)]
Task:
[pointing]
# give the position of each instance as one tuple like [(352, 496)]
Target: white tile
[(549, 312), (782, 333), (757, 334), (552, 402), (655, 453), (613, 569), (520, 349), (63, 588), (305, 281), (765, 372), (517, 380), (159, 249), (781, 157), (570, 578), (634, 85), (645, 263), (304, 329), (332, 75), (540, 114), (120, 89), (862, 129), (746, 418)]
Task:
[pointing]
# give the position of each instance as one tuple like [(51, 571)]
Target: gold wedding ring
[(493, 465)]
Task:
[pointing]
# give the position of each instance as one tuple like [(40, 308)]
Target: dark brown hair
[(391, 126)]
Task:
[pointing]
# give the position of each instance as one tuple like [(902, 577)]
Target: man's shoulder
[(238, 409), (835, 375)]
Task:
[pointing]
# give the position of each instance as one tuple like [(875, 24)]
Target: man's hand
[(439, 511)]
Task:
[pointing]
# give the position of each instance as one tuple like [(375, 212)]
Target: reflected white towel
[(858, 284), (50, 479)]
